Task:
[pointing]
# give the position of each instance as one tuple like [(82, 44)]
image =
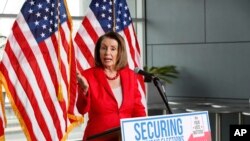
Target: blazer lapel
[(100, 76), (125, 81)]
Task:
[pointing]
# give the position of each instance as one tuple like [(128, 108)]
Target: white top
[(118, 95)]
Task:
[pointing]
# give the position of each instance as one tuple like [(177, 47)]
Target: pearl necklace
[(112, 78)]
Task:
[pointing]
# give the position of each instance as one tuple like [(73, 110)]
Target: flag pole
[(113, 12), (59, 94)]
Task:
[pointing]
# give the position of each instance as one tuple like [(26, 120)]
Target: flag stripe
[(65, 84), (28, 123), (2, 115), (47, 96), (49, 62), (23, 82), (129, 41), (84, 50), (91, 32), (138, 50), (132, 64), (64, 59), (94, 23), (1, 127), (53, 91), (42, 85), (135, 52), (27, 52), (73, 86), (86, 38)]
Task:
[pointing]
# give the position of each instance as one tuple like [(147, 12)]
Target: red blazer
[(101, 104)]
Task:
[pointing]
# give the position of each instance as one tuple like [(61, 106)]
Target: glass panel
[(6, 25), (140, 32), (140, 9), (14, 6), (84, 4), (131, 6), (10, 6), (74, 7)]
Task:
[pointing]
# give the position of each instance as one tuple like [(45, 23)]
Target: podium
[(193, 126), (113, 134)]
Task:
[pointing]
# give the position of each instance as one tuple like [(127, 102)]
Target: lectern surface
[(113, 134)]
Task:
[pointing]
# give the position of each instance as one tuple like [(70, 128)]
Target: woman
[(108, 91)]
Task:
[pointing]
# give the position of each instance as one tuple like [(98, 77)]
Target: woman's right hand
[(82, 82)]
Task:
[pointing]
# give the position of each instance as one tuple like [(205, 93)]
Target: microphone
[(142, 72)]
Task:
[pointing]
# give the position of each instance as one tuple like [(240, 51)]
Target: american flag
[(2, 116), (37, 69), (99, 20), (3, 119), (2, 136)]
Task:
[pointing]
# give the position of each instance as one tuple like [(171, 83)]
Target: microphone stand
[(162, 92)]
